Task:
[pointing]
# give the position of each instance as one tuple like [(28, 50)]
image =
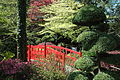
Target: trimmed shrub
[(104, 43), (84, 63), (103, 76), (87, 35), (88, 39), (77, 75), (89, 15), (103, 27), (81, 77), (88, 53), (115, 74)]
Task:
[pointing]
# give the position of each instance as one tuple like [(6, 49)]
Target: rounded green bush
[(84, 63), (88, 53), (103, 27), (115, 74), (77, 75), (87, 35), (89, 15), (88, 39), (72, 75), (103, 76), (104, 43), (81, 77)]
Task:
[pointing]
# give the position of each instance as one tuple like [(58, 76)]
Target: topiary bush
[(103, 76), (84, 63), (89, 15), (88, 53), (77, 75), (87, 35), (88, 39), (104, 43), (81, 77), (102, 27), (115, 74)]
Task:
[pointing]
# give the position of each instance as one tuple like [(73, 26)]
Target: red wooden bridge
[(55, 55)]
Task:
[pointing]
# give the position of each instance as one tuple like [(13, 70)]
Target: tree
[(8, 23), (35, 16), (89, 15), (22, 36), (58, 21)]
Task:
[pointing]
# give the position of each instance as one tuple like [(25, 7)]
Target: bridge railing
[(53, 55)]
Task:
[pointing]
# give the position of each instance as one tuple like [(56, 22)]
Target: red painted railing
[(56, 55)]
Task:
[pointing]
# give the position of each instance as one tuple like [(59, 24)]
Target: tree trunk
[(22, 36)]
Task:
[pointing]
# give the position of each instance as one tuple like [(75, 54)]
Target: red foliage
[(34, 13), (40, 2)]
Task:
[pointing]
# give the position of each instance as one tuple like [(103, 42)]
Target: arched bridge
[(56, 55)]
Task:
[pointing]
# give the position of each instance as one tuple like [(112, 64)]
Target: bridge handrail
[(60, 53)]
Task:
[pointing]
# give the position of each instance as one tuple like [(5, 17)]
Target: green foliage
[(89, 15), (86, 36), (8, 44), (84, 63), (59, 14), (115, 27), (88, 39), (102, 27), (73, 33), (45, 74), (8, 23), (54, 75), (88, 53), (105, 43), (1, 43), (77, 75), (114, 74), (59, 19), (81, 77), (8, 12), (103, 76), (112, 59), (7, 55)]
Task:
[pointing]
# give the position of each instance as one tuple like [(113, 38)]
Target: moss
[(84, 63), (89, 15), (103, 76)]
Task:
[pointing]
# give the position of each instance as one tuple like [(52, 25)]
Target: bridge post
[(64, 62), (45, 50), (29, 52)]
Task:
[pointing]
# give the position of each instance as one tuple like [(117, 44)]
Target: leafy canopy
[(89, 15)]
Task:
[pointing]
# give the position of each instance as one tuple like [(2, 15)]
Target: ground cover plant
[(15, 69)]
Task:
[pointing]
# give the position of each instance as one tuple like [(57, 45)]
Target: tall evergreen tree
[(22, 36)]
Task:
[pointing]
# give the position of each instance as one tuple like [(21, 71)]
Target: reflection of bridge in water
[(56, 56)]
